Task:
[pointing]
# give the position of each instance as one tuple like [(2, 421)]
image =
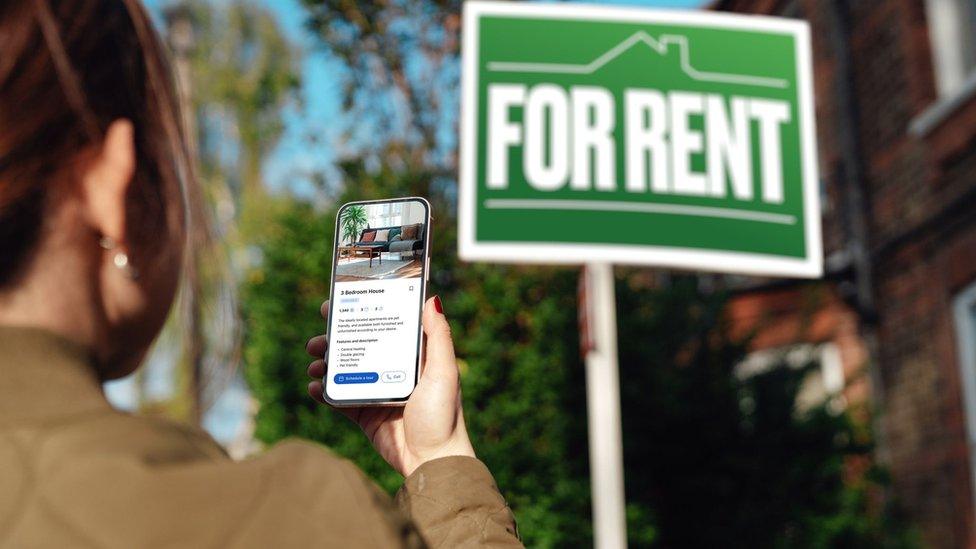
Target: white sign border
[(683, 258)]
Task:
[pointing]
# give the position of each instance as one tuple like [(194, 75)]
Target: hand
[(431, 425)]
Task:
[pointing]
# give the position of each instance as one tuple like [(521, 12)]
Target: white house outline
[(660, 46)]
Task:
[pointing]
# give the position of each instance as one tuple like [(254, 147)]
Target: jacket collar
[(45, 377)]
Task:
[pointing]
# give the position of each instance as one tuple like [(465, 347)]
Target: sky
[(295, 156)]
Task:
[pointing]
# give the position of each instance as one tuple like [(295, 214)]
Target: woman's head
[(92, 165)]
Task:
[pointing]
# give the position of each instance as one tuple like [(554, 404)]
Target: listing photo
[(381, 241)]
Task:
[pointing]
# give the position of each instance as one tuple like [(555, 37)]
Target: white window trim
[(935, 114), (965, 321), (796, 356), (948, 24), (954, 85)]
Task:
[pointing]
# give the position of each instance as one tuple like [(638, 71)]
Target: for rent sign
[(638, 137)]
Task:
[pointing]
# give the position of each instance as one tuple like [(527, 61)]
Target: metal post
[(603, 408)]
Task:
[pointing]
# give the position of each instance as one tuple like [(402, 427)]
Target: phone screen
[(379, 273)]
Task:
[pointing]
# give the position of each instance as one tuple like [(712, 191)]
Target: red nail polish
[(437, 304)]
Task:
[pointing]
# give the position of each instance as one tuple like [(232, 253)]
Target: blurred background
[(757, 412)]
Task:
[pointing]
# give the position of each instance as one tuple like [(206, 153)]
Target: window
[(952, 31), (388, 214), (964, 311), (818, 386)]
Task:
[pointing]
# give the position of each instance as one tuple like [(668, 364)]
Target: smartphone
[(380, 264)]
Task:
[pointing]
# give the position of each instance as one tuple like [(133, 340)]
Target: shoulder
[(117, 435), (173, 482)]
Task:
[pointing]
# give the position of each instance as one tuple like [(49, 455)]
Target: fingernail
[(437, 304)]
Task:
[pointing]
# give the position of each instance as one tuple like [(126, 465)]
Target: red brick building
[(895, 86)]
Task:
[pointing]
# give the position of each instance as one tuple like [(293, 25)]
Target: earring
[(120, 259)]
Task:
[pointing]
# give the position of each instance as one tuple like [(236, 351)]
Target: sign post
[(603, 406), (599, 136)]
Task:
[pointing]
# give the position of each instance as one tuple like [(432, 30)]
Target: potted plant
[(352, 222)]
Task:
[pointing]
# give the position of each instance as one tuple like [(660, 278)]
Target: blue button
[(361, 377)]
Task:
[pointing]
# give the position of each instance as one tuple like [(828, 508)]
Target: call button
[(394, 376)]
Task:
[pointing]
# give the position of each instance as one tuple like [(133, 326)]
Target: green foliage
[(515, 329)]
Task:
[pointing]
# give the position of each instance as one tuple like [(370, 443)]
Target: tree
[(402, 79), (236, 73), (245, 75)]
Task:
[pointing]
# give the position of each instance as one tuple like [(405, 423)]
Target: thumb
[(439, 362)]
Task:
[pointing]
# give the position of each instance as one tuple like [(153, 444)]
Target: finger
[(440, 362), (315, 391), (316, 369), (324, 309), (317, 346)]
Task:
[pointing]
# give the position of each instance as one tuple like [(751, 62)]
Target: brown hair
[(67, 70)]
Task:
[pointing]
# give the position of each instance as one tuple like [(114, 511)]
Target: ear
[(107, 178)]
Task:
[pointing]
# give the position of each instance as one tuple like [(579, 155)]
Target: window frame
[(955, 84), (949, 21), (964, 317), (795, 355)]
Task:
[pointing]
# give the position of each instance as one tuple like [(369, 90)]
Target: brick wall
[(921, 194)]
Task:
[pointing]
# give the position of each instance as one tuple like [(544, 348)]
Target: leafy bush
[(710, 459)]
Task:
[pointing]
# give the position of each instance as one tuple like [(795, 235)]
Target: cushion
[(404, 245), (382, 235), (368, 236), (393, 232), (410, 231), (396, 238)]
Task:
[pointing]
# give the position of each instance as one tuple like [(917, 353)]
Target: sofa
[(394, 242)]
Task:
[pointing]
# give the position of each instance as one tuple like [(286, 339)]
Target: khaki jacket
[(74, 472)]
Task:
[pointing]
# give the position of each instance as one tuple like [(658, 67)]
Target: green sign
[(631, 136)]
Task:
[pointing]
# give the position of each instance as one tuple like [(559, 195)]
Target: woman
[(93, 202)]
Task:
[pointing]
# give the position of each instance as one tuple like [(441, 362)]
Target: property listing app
[(374, 327)]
